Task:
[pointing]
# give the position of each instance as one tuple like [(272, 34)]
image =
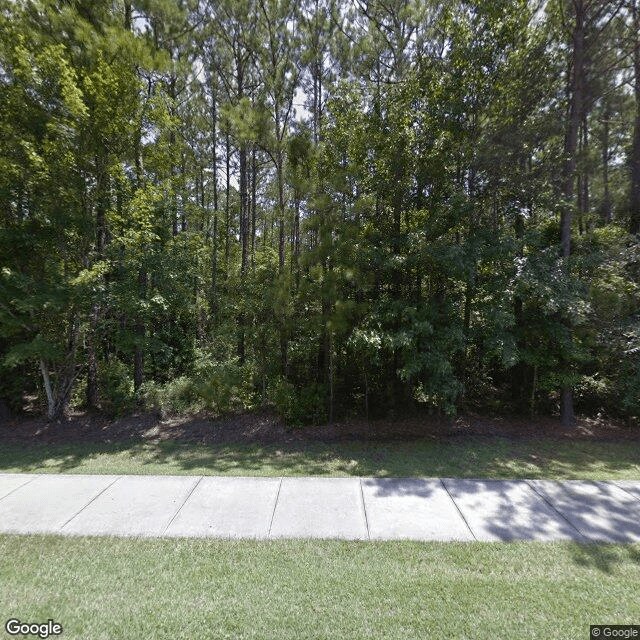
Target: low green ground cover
[(112, 589), (474, 457)]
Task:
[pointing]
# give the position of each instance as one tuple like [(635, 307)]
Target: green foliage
[(178, 396), (300, 405), (172, 230), (116, 392), (213, 386), (12, 385), (223, 386)]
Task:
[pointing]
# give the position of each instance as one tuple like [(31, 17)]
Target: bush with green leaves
[(219, 387), (178, 396), (116, 392), (300, 405), (223, 386)]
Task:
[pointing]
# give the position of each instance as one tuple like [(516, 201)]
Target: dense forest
[(335, 207)]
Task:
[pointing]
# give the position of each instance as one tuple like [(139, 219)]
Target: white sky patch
[(299, 99)]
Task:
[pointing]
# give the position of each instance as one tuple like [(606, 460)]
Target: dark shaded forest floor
[(264, 427)]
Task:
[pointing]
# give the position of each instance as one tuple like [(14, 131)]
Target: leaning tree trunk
[(58, 394), (51, 400)]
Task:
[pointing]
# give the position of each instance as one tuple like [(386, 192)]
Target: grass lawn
[(465, 458), (112, 588)]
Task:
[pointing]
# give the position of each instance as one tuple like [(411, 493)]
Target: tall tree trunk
[(102, 195), (214, 267), (214, 144), (227, 206), (325, 342), (254, 178), (583, 177), (315, 72), (518, 376), (634, 217), (51, 400), (319, 107), (315, 102), (244, 242), (182, 195), (140, 330), (244, 214), (284, 342), (92, 360), (214, 166), (139, 327), (244, 247), (281, 209), (172, 143), (102, 201), (576, 92), (58, 394), (571, 140), (331, 377), (295, 262), (605, 207), (200, 311), (127, 15), (397, 202), (138, 359)]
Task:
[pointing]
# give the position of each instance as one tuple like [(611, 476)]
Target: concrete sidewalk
[(345, 508)]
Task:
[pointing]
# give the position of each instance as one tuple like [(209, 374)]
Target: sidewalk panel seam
[(75, 515), (275, 504), (633, 495), (455, 504), (364, 511), (24, 484), (175, 515), (548, 501)]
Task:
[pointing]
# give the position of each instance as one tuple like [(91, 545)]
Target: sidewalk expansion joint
[(455, 504), (275, 504), (175, 515), (553, 506), (75, 515), (24, 484), (364, 509), (633, 495)]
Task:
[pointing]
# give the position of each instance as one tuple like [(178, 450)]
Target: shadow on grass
[(604, 557), (56, 458), (497, 458)]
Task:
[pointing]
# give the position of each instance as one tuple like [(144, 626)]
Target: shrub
[(178, 396), (115, 387), (223, 386), (300, 405), (214, 386)]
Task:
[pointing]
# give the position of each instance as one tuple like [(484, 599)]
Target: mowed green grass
[(493, 457), (111, 589)]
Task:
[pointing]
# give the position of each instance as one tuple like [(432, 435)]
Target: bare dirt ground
[(264, 427)]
